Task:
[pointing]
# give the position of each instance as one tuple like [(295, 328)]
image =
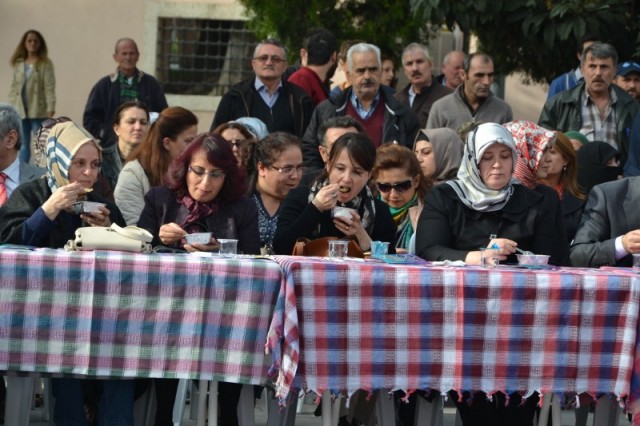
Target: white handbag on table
[(114, 237)]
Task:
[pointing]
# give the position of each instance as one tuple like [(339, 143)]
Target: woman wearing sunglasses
[(339, 203), (402, 186)]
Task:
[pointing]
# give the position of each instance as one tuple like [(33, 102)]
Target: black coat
[(572, 208), (30, 196), (239, 102), (161, 207), (300, 219), (448, 230)]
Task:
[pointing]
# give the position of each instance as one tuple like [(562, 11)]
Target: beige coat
[(41, 89)]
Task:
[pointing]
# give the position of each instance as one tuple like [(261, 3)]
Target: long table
[(368, 325), (113, 314)]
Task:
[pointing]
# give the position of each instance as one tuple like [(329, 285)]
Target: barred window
[(202, 56)]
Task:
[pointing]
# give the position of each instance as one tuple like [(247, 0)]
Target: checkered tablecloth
[(135, 315), (375, 326)]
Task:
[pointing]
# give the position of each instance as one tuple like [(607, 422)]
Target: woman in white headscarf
[(462, 215)]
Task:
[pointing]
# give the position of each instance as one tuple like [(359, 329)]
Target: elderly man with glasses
[(281, 105)]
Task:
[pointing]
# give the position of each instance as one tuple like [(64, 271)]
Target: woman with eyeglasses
[(275, 168), (204, 192), (148, 163), (402, 186), (313, 212)]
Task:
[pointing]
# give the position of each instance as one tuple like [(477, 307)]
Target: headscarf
[(531, 142), (255, 126), (469, 186), (363, 203), (592, 164), (63, 141), (447, 151)]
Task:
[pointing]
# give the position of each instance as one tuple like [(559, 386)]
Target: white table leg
[(429, 413), (19, 400), (385, 409), (246, 407), (213, 402), (326, 409)]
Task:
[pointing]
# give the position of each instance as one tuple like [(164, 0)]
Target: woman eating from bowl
[(203, 193), (41, 213), (402, 186), (463, 214), (275, 168), (341, 189), (148, 163)]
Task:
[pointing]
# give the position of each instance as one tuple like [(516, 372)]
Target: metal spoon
[(525, 252)]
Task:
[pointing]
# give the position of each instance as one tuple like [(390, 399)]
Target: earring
[(564, 169)]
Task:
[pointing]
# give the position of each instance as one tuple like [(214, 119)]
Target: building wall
[(81, 35)]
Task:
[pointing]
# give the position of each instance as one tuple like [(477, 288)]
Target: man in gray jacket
[(384, 118), (472, 101)]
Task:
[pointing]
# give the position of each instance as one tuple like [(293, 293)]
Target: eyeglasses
[(275, 59), (201, 172), (399, 187), (236, 142), (289, 169)]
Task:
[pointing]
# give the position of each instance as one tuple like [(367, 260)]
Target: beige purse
[(114, 237)]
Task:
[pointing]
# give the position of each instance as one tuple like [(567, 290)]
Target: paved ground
[(307, 418)]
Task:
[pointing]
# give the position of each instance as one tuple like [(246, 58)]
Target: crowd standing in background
[(438, 168)]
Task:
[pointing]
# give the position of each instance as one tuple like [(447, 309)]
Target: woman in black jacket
[(318, 211), (462, 215)]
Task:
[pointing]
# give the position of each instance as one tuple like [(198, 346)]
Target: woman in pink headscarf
[(532, 145)]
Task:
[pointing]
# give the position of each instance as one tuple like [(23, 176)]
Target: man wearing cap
[(281, 105), (628, 78), (596, 108)]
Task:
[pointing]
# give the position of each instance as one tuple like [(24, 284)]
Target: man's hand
[(631, 241)]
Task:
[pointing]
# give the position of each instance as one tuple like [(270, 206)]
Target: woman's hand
[(98, 217), (354, 228), (504, 246), (62, 199), (171, 233), (327, 197)]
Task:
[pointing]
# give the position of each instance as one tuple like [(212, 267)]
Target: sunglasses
[(399, 187)]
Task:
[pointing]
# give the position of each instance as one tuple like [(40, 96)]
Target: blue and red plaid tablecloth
[(135, 315), (366, 325)]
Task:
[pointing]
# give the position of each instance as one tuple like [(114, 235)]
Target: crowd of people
[(439, 168)]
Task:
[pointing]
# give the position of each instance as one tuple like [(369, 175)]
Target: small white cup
[(228, 247), (338, 248), (636, 263)]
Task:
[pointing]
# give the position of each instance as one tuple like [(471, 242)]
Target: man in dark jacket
[(383, 117), (281, 105), (596, 108), (127, 83), (422, 90)]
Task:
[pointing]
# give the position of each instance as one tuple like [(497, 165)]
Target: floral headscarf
[(531, 142), (469, 186)]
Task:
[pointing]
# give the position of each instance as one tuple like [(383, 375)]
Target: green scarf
[(403, 222)]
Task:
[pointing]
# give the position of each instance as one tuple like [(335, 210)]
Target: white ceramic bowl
[(533, 259), (89, 207), (198, 238)]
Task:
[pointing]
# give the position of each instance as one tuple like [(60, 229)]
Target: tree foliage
[(538, 37), (385, 23)]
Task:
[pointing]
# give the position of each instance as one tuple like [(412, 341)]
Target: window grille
[(203, 56)]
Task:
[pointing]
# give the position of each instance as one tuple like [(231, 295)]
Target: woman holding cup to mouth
[(339, 202)]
